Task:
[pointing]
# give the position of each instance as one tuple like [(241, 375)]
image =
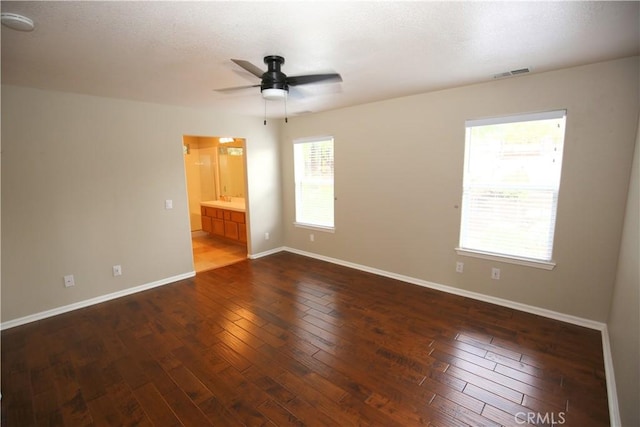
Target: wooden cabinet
[(206, 224), (231, 230), (218, 227), (226, 223), (237, 217)]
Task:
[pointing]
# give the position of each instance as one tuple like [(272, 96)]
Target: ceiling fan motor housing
[(273, 78), (274, 84)]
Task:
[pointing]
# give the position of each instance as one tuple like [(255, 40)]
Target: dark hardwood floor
[(288, 340)]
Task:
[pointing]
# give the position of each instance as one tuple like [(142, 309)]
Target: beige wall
[(399, 179), (84, 180), (624, 319)]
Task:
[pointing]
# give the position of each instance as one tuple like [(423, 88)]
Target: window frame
[(502, 257), (308, 225)]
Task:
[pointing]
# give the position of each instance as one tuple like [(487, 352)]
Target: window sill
[(545, 265), (315, 227)]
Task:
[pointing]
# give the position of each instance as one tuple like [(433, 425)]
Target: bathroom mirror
[(231, 176)]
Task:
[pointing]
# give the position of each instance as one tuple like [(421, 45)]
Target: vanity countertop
[(236, 204)]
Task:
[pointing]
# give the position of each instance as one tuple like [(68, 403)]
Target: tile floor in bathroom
[(212, 252)]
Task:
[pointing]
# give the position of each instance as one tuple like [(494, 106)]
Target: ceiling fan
[(274, 83)]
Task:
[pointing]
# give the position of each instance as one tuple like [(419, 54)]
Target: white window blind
[(313, 164), (511, 181)]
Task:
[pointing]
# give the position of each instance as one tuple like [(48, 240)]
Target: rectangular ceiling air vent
[(511, 73)]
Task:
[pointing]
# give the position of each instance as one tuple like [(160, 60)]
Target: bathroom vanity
[(225, 219)]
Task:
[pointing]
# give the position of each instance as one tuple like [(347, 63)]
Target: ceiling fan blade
[(232, 89), (249, 67), (313, 78)]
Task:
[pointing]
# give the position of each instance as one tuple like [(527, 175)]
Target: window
[(313, 169), (511, 180)]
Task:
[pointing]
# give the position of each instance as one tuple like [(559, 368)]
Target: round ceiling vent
[(17, 22)]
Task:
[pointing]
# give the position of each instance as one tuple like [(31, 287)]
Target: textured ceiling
[(178, 52)]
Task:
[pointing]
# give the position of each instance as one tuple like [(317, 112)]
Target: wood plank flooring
[(287, 340)]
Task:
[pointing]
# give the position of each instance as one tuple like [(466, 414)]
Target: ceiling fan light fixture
[(274, 94), (16, 22)]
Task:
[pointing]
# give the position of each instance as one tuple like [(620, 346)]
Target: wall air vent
[(512, 73)]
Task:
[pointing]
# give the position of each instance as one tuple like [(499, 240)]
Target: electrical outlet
[(312, 238), (69, 281), (459, 267), (168, 204), (117, 270), (495, 273), (266, 236)]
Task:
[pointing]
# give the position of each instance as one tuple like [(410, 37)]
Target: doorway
[(215, 169)]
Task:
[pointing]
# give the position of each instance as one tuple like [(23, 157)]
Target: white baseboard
[(612, 395), (92, 301), (265, 253), (612, 391)]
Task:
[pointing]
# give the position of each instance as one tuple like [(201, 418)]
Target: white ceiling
[(178, 52)]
